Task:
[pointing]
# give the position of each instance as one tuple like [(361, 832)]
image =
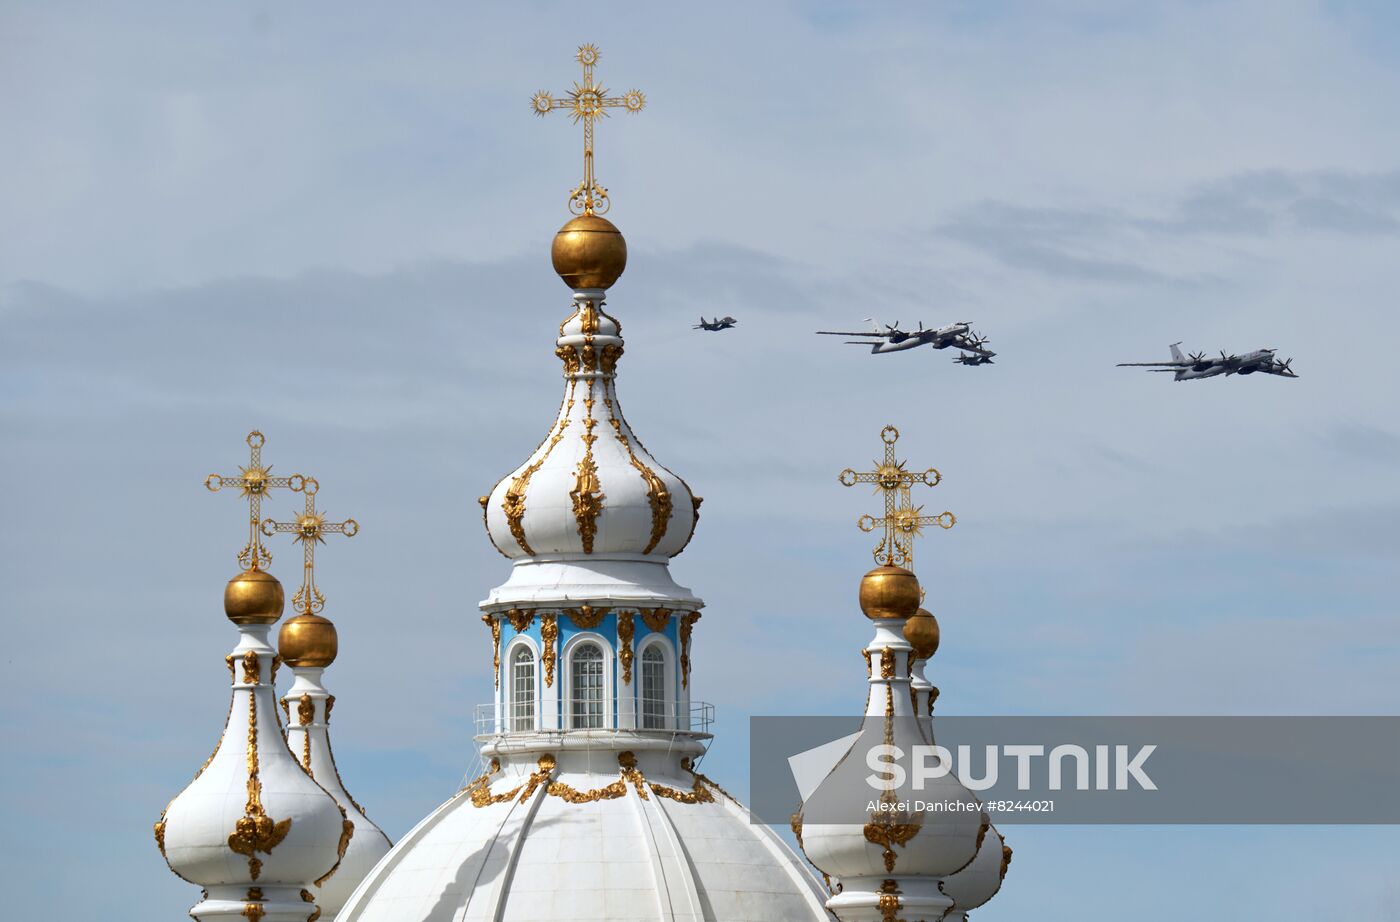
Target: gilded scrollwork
[(587, 494), (866, 654), (607, 362), (625, 631), (687, 626), (1005, 859), (889, 902), (586, 617), (330, 703), (886, 830), (549, 633), (255, 831), (306, 710), (494, 624), (658, 497), (655, 618), (796, 823), (306, 897), (520, 619), (252, 668), (887, 663), (513, 502), (347, 832)]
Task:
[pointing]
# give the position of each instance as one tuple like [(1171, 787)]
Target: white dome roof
[(589, 844), (590, 488), (977, 883), (252, 817)]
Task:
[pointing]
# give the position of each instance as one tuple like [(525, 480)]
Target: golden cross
[(310, 528), (254, 482), (588, 101), (902, 521)]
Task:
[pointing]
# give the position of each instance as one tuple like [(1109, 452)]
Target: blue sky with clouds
[(330, 222)]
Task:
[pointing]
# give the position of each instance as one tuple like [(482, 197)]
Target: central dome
[(589, 838), (590, 489)]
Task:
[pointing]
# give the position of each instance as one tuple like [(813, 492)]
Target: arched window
[(654, 716), (586, 704), (522, 689)]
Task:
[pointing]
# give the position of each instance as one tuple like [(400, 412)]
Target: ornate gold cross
[(310, 528), (588, 101), (902, 521), (254, 482)]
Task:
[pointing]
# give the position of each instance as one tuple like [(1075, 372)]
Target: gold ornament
[(902, 521), (586, 102), (310, 529), (254, 482)]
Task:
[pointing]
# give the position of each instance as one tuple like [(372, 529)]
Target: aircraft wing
[(1165, 366), (969, 346), (839, 333)]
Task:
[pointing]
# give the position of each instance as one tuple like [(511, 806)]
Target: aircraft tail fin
[(1176, 353)]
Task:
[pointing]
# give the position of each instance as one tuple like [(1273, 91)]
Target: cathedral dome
[(590, 838), (977, 883), (591, 489)]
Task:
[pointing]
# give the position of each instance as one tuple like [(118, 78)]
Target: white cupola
[(253, 828)]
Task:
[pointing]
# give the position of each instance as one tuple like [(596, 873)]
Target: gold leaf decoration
[(586, 617), (549, 633), (306, 710), (687, 625), (655, 618), (625, 631)]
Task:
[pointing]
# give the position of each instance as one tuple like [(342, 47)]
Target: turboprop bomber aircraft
[(1199, 365), (890, 338)]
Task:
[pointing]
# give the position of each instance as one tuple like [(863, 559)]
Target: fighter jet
[(1199, 365), (714, 326), (890, 338), (963, 358)]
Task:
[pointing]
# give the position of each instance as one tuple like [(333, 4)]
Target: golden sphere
[(307, 640), (889, 592), (922, 633), (589, 252), (253, 597)]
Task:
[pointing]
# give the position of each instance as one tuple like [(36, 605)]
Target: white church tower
[(591, 809)]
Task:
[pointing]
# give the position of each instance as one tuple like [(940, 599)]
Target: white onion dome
[(977, 883), (591, 489), (253, 828), (307, 706), (889, 855)]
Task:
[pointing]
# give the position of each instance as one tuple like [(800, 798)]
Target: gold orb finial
[(922, 633), (889, 592), (589, 252), (308, 640), (254, 597)]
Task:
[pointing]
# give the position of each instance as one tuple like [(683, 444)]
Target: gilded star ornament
[(586, 102)]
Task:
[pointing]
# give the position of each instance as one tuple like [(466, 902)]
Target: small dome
[(307, 640), (589, 252), (921, 631), (977, 883), (253, 597), (889, 592), (591, 488)]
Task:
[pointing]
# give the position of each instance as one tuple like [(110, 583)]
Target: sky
[(330, 222)]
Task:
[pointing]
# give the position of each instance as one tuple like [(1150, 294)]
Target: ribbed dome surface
[(590, 488), (589, 845)]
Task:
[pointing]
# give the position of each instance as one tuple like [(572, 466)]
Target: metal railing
[(653, 717)]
